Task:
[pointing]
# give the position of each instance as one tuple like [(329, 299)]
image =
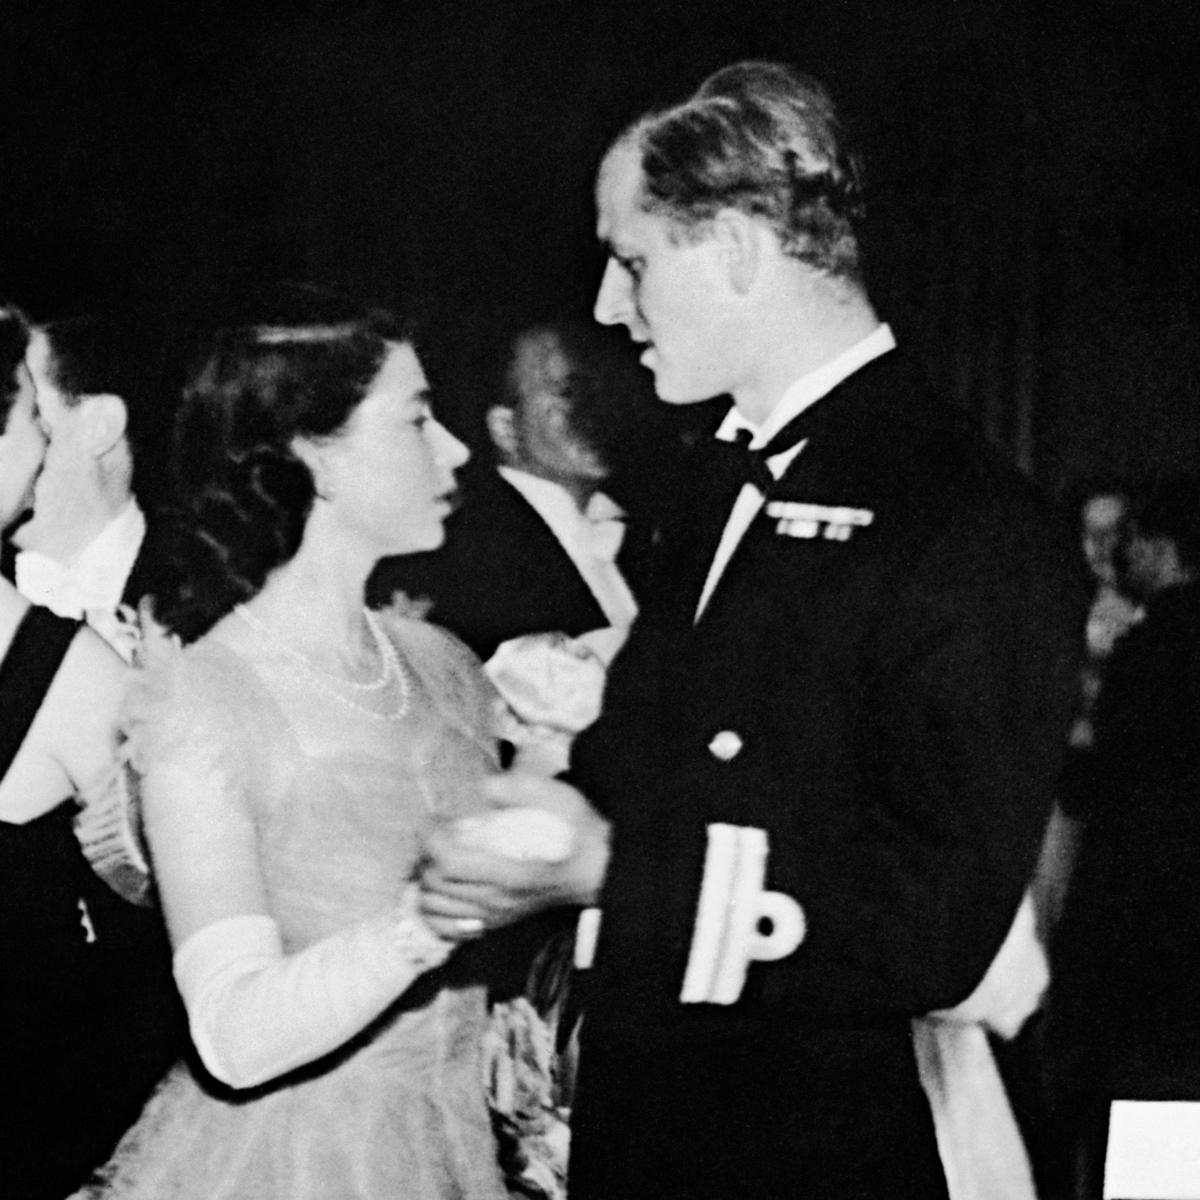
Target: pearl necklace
[(329, 683)]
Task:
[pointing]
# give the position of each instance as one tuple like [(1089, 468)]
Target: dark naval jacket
[(864, 724)]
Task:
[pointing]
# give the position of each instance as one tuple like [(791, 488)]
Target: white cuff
[(1011, 991)]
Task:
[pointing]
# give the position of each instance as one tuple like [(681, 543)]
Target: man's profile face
[(61, 493), (665, 290)]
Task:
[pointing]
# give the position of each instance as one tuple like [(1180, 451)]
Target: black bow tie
[(751, 465)]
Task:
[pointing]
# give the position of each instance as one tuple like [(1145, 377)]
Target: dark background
[(1034, 215)]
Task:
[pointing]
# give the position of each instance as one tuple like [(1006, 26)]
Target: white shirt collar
[(552, 502), (107, 561), (808, 389), (573, 530)]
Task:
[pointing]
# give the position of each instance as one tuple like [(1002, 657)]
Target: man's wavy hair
[(296, 363), (765, 139)]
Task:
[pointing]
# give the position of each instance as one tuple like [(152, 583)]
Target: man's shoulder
[(889, 431)]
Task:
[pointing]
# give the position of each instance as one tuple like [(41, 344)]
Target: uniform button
[(725, 746)]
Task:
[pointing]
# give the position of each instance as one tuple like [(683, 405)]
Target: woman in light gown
[(293, 753)]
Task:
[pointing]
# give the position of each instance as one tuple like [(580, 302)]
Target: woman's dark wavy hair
[(765, 139), (298, 366), (14, 340)]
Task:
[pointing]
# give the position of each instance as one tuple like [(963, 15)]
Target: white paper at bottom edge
[(1153, 1150)]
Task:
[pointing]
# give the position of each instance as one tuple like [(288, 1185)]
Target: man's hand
[(466, 890)]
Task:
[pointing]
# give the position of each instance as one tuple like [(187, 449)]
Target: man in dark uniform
[(829, 746)]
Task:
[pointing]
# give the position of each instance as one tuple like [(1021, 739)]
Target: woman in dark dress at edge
[(71, 1056)]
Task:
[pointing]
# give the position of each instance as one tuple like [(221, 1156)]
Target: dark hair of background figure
[(1077, 492), (765, 139), (296, 362), (14, 340)]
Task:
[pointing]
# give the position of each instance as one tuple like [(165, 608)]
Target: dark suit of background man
[(534, 546), (842, 705)]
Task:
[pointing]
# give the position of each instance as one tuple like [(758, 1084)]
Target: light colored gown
[(341, 800)]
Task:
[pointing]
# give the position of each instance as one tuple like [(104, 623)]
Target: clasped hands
[(539, 845)]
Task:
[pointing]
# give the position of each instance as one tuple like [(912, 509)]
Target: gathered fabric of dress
[(341, 800)]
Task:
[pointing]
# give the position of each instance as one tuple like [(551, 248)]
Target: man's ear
[(501, 429), (738, 240), (105, 419)]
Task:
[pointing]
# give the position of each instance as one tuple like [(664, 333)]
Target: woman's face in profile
[(390, 475), (22, 448)]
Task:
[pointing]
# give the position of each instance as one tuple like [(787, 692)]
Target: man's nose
[(612, 299)]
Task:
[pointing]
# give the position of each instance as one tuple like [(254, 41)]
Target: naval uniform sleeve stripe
[(741, 926), (586, 932), (712, 913)]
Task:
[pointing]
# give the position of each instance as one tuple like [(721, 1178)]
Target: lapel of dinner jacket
[(691, 532)]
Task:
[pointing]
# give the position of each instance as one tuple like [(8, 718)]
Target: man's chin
[(679, 396)]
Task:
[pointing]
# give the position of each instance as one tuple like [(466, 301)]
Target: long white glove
[(256, 1013)]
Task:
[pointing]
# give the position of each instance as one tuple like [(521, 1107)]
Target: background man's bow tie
[(45, 581)]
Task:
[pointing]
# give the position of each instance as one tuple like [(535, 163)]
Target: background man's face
[(547, 437), (63, 491), (666, 291), (22, 445), (1103, 519)]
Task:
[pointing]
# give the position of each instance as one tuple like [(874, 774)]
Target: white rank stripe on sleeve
[(586, 933), (733, 902)]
